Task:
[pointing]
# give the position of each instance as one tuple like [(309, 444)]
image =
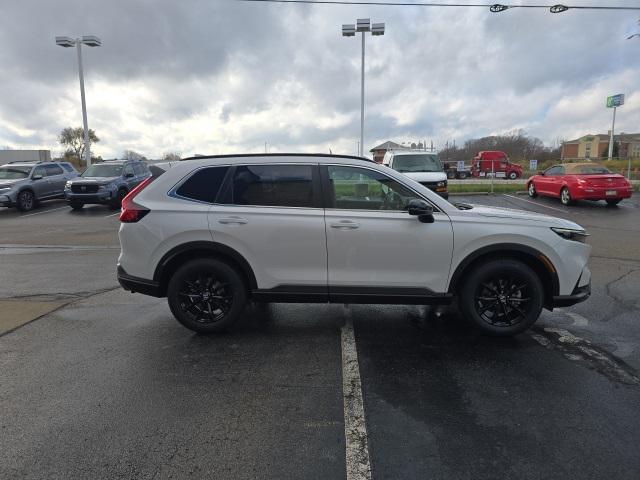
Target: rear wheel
[(206, 295), (532, 190), (26, 201), (513, 176), (462, 175), (565, 196), (502, 297), (612, 202)]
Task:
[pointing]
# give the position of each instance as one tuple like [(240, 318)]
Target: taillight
[(131, 211)]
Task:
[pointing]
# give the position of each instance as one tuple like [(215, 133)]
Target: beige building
[(597, 146)]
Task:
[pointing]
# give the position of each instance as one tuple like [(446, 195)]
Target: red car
[(580, 181)]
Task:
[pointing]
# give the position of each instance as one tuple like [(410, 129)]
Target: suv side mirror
[(128, 175), (422, 210)]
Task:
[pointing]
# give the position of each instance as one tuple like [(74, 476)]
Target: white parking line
[(355, 428), (46, 211), (112, 215), (537, 204)]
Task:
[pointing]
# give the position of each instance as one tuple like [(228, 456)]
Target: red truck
[(497, 162)]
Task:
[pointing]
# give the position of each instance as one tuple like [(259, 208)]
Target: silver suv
[(105, 183), (213, 233), (24, 184)]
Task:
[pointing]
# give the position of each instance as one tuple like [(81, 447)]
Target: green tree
[(73, 140)]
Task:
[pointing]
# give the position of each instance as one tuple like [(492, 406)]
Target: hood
[(522, 215), (10, 182), (93, 180), (426, 176)]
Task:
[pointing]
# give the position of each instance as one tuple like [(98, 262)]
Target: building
[(380, 150), (626, 145), (7, 156)]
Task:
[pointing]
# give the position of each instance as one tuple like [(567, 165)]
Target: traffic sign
[(615, 100), (533, 165)]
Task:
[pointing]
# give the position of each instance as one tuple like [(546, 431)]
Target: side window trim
[(327, 201)]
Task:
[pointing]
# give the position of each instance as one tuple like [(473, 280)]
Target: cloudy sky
[(220, 76)]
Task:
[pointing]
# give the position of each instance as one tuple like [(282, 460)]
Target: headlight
[(569, 234), (442, 184), (68, 184)]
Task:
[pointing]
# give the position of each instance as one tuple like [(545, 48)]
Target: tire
[(117, 203), (76, 205), (513, 176), (451, 175), (613, 202), (206, 295), (531, 190), (565, 196), (462, 175), (502, 297), (26, 201)]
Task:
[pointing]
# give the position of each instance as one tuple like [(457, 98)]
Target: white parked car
[(423, 167), (214, 233)]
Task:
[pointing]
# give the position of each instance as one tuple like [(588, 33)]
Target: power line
[(496, 7)]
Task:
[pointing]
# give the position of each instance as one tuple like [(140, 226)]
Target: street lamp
[(349, 30), (90, 41)]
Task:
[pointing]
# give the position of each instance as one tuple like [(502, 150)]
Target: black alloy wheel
[(502, 297), (206, 295), (26, 201)]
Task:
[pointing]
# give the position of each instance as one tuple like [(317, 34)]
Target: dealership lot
[(103, 383)]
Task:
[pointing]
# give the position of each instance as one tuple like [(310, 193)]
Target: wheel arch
[(177, 256), (535, 259)]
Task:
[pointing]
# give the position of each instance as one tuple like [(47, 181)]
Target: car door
[(56, 178), (272, 215), (373, 244), (544, 182), (40, 182)]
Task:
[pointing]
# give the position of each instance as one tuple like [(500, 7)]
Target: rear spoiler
[(155, 171)]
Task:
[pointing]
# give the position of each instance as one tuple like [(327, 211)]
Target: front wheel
[(26, 201), (612, 202), (76, 205), (565, 196), (206, 295), (513, 176), (502, 297), (532, 190), (117, 203)]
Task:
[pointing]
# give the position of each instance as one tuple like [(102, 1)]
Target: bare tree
[(171, 156), (132, 155)]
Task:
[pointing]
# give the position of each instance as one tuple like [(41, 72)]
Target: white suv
[(213, 233)]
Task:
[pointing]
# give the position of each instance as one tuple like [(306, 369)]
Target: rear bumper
[(579, 294), (600, 193), (138, 285)]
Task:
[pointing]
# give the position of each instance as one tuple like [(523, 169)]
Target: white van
[(423, 167)]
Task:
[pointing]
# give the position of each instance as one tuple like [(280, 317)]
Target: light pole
[(362, 25), (91, 41)]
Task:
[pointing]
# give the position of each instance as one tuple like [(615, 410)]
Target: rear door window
[(271, 186), (203, 185), (68, 167), (53, 170)]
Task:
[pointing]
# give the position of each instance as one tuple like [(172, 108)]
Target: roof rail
[(249, 155), (25, 161)]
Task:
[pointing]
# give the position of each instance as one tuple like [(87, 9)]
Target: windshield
[(103, 171), (592, 170), (417, 163), (14, 173)]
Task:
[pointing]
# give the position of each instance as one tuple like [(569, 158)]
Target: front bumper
[(138, 285), (579, 294), (8, 199), (99, 197)]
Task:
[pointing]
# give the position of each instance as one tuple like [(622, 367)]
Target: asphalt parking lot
[(100, 383)]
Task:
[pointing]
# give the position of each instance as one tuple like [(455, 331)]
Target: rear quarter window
[(203, 185), (68, 167)]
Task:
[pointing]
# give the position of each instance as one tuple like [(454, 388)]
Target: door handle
[(345, 225), (233, 221)]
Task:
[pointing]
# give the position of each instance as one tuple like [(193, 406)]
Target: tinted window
[(68, 167), (272, 185), (53, 170), (355, 188), (203, 185), (39, 171), (557, 170)]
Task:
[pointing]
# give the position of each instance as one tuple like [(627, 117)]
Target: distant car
[(105, 183), (423, 167), (580, 181), (24, 184)]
